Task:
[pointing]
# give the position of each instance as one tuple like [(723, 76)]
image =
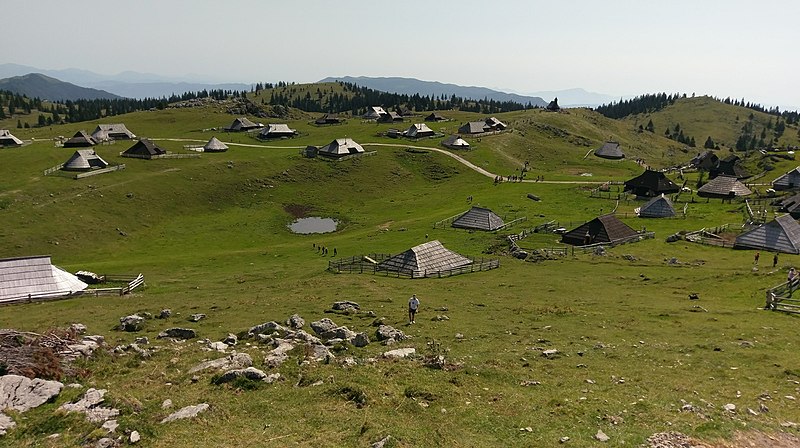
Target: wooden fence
[(161, 156), (779, 298), (708, 236), (369, 264), (618, 242), (52, 170), (134, 282), (100, 171)]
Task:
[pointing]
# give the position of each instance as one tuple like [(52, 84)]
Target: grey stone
[(385, 332), (346, 305), (105, 442), (361, 340), (552, 353), (267, 328), (231, 339), (165, 313), (323, 325), (218, 346), (134, 322), (166, 404), (21, 394), (186, 412), (110, 426), (304, 336), (339, 333), (400, 353), (251, 373), (5, 423), (233, 361), (142, 341), (90, 406), (601, 436), (319, 353), (275, 360), (197, 317), (730, 407), (135, 437), (382, 443), (296, 322), (520, 254), (78, 328), (178, 333)]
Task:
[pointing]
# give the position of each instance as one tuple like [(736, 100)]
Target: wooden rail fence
[(100, 171), (779, 298), (369, 264)]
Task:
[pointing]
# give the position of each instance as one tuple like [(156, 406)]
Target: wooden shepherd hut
[(8, 140), (658, 207), (610, 150), (729, 166), (782, 234), (788, 181), (276, 131), (35, 277), (328, 119), (214, 145), (114, 131), (479, 218), (144, 149), (651, 183), (339, 148), (455, 142), (603, 229), (723, 187), (425, 260), (84, 160), (791, 205), (435, 117), (80, 140), (242, 124), (419, 130)]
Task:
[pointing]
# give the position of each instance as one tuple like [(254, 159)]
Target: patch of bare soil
[(298, 210)]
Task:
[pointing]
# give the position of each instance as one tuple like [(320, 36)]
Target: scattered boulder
[(197, 317), (552, 353), (319, 353), (166, 404), (218, 346), (343, 333), (387, 332), (165, 313), (533, 197), (78, 328), (730, 407), (382, 443), (230, 339), (601, 436), (250, 373), (110, 426), (673, 238), (233, 361), (142, 341), (21, 394), (105, 442), (400, 353), (346, 306), (295, 322), (5, 424), (178, 333), (135, 437), (267, 328), (629, 257), (90, 405), (361, 340), (134, 322), (186, 412), (323, 325)]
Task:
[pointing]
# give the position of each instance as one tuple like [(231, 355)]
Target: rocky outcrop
[(400, 353), (250, 373), (134, 322), (178, 333), (90, 405), (186, 412), (233, 361), (21, 394), (269, 328), (389, 333), (5, 424), (296, 322)]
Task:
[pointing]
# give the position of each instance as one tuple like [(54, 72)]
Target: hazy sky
[(737, 48)]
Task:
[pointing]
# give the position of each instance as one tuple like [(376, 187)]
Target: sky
[(742, 49)]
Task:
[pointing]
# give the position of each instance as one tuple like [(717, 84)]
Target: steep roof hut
[(479, 218), (705, 161), (782, 234), (114, 131), (7, 139), (610, 150), (651, 183), (603, 229), (389, 117), (495, 124), (788, 181), (36, 276), (276, 131), (435, 117), (84, 160), (791, 205), (729, 166), (658, 207), (80, 140), (455, 142), (427, 259), (418, 130), (473, 127), (723, 187), (374, 113), (340, 147), (328, 119), (242, 124), (144, 149), (553, 105), (214, 145)]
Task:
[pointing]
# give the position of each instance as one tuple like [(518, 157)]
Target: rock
[(673, 238), (5, 424), (197, 317), (323, 325), (361, 340), (231, 339), (303, 336), (440, 318), (563, 440), (296, 322), (90, 405), (378, 322), (533, 197), (266, 328), (319, 353), (385, 332), (399, 353), (250, 373), (233, 361), (105, 442), (339, 333), (629, 257), (520, 254), (459, 336), (165, 313), (110, 426), (166, 404), (135, 437), (178, 333), (218, 346), (730, 407), (601, 436), (275, 360), (346, 305), (21, 394), (348, 362), (78, 328), (134, 322), (142, 341), (552, 353), (382, 443), (186, 412)]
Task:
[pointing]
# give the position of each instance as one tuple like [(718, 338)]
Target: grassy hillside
[(210, 236)]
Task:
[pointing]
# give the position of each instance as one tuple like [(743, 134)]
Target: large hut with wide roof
[(339, 148), (112, 131), (725, 187), (788, 181), (418, 130), (7, 139), (80, 140), (651, 183), (425, 260), (603, 229), (215, 145), (35, 277), (791, 205), (479, 218), (779, 235), (281, 130), (242, 124), (144, 149), (657, 207), (84, 160), (455, 142)]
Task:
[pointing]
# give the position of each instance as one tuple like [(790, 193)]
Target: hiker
[(755, 258), (334, 251), (775, 260), (413, 306)]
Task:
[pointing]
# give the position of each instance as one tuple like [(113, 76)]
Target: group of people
[(322, 250), (758, 255)]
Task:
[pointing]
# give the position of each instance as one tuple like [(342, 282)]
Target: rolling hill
[(37, 85)]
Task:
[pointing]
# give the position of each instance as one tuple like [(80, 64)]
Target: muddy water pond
[(313, 225)]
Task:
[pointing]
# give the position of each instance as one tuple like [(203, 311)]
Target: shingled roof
[(424, 260), (603, 229), (340, 147), (8, 139), (474, 127), (277, 131), (418, 130), (214, 145), (116, 131), (242, 124), (723, 187), (610, 150), (658, 207), (80, 140), (479, 218), (455, 142), (144, 149), (651, 183), (788, 181), (782, 234), (791, 205), (36, 276), (84, 160)]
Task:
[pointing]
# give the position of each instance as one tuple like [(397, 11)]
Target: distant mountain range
[(37, 85), (126, 84), (410, 86)]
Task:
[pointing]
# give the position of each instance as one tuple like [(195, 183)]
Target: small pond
[(313, 225)]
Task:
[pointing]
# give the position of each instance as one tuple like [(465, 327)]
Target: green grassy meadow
[(210, 235)]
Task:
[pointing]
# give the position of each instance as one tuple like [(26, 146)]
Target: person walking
[(755, 258), (413, 306), (775, 260)]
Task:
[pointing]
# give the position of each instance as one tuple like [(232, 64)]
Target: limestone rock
[(110, 426), (166, 404), (178, 333), (186, 412), (323, 325), (251, 373), (197, 317), (601, 436), (90, 405), (21, 394), (267, 328), (78, 328), (385, 332), (320, 353), (361, 340), (142, 341), (346, 306), (5, 424), (231, 339), (105, 442), (134, 322), (382, 443), (233, 361), (343, 333), (400, 353), (296, 322), (165, 313), (218, 346), (135, 437)]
